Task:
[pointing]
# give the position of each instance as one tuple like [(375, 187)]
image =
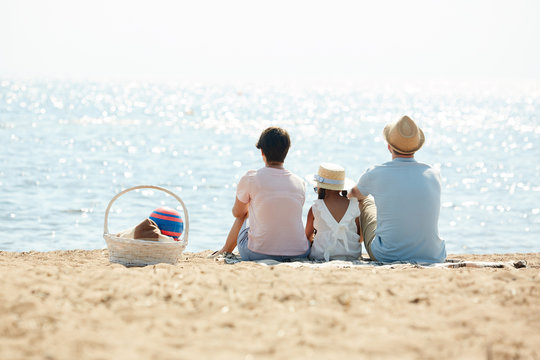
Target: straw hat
[(332, 177), (404, 136)]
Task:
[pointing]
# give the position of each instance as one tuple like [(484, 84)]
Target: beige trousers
[(368, 220)]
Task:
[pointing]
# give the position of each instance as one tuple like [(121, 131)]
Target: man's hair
[(274, 143)]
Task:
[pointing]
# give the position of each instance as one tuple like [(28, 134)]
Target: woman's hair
[(274, 143), (322, 193)]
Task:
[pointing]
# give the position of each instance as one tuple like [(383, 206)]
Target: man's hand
[(356, 193)]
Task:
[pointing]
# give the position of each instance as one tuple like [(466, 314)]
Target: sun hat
[(404, 136), (332, 177)]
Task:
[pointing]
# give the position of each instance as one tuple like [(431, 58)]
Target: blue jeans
[(248, 255)]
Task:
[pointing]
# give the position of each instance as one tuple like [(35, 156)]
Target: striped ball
[(169, 222)]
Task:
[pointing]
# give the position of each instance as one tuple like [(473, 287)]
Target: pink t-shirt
[(275, 198)]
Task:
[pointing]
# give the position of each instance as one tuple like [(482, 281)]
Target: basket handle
[(106, 224)]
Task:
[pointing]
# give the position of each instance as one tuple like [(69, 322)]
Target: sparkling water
[(67, 148)]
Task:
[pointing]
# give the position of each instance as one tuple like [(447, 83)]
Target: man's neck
[(394, 156)]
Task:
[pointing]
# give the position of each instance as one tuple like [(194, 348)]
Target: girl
[(333, 224)]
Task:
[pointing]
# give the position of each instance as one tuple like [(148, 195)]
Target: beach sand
[(76, 305)]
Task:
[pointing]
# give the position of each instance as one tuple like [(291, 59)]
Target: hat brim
[(386, 132), (347, 185)]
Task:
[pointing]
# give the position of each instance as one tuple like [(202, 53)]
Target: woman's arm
[(240, 212), (240, 209), (309, 225)]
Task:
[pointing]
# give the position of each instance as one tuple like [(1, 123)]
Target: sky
[(224, 41)]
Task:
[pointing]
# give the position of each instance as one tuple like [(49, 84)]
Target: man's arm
[(359, 229), (356, 193)]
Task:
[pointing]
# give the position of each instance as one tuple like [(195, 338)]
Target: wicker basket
[(132, 252)]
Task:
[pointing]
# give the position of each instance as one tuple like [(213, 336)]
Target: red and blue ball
[(169, 222)]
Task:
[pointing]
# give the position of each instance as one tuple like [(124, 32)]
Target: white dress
[(333, 240)]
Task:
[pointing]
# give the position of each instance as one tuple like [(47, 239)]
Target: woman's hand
[(217, 253)]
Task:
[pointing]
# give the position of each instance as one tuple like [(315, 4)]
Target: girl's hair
[(322, 193)]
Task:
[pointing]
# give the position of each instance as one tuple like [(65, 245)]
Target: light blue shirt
[(408, 199)]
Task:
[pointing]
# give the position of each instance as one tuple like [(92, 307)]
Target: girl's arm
[(309, 225), (359, 227)]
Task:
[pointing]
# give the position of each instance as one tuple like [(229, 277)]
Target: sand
[(76, 305)]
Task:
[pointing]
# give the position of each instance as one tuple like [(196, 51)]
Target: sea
[(67, 148)]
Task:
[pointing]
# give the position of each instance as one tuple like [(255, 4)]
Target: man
[(402, 224), (273, 197)]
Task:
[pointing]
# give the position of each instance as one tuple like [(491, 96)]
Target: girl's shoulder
[(352, 202), (318, 203), (319, 208)]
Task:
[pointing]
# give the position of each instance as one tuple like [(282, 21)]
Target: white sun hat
[(332, 177)]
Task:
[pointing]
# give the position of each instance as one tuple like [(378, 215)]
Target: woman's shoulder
[(248, 176), (296, 179), (252, 173), (354, 207)]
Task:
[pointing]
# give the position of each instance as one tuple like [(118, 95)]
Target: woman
[(273, 197)]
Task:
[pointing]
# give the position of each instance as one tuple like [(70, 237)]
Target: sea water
[(67, 148)]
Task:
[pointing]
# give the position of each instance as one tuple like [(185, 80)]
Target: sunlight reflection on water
[(68, 148)]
